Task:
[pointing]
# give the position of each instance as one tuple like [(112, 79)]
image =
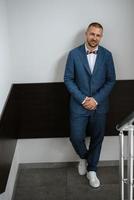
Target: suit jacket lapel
[(84, 58), (99, 59)]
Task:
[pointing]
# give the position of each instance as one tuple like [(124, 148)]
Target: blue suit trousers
[(95, 124)]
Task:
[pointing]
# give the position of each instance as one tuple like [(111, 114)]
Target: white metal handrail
[(126, 125)]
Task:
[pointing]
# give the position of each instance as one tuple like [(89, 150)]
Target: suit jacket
[(80, 82)]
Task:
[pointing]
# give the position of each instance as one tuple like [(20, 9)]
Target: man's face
[(93, 36)]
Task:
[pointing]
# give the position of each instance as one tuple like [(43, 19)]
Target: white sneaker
[(93, 180), (82, 167)]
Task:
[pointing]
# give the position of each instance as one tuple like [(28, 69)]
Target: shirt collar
[(88, 49)]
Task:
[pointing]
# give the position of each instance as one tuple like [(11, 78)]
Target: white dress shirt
[(91, 58)]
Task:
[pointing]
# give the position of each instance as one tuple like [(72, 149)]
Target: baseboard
[(64, 164), (108, 163)]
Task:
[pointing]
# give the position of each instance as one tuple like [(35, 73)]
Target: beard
[(92, 43)]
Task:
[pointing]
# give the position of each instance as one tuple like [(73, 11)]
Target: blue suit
[(80, 83)]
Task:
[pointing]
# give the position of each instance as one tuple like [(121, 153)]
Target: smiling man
[(89, 77)]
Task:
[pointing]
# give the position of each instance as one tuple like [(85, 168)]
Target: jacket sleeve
[(110, 81), (69, 80)]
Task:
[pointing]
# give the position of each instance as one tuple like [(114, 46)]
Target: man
[(89, 77)]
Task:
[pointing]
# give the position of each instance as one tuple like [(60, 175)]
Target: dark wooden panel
[(121, 104), (8, 135), (44, 108)]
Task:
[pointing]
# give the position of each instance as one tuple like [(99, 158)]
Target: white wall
[(61, 150), (5, 65), (43, 31)]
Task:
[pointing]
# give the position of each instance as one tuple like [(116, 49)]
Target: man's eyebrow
[(92, 33)]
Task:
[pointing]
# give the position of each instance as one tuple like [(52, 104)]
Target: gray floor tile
[(29, 193), (41, 193), (108, 175), (64, 183), (105, 192), (41, 177), (73, 178)]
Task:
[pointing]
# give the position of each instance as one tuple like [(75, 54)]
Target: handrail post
[(121, 165), (130, 163)]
